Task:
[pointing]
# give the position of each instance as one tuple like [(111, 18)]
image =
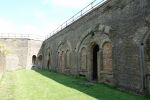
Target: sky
[(37, 17)]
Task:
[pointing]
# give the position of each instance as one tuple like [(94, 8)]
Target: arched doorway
[(33, 60), (95, 62)]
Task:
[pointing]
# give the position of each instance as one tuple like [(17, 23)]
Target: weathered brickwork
[(109, 44), (107, 56), (83, 63), (67, 59)]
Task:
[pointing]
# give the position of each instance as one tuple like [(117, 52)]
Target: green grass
[(45, 85)]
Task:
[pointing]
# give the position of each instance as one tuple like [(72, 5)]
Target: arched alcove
[(61, 61), (90, 63), (107, 56), (68, 59), (33, 60), (106, 70)]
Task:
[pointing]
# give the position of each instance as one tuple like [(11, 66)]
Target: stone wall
[(118, 29), (33, 49), (19, 52)]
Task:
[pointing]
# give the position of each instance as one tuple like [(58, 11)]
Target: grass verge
[(46, 85)]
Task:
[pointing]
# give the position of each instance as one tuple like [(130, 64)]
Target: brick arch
[(60, 45), (82, 38), (99, 41), (141, 35), (64, 50), (89, 42)]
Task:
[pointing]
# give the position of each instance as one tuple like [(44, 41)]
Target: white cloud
[(7, 26), (38, 30), (68, 3), (49, 28), (29, 29), (40, 15), (45, 24)]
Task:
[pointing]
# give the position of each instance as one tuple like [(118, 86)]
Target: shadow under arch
[(95, 49)]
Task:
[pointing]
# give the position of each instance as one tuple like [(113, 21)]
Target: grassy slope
[(7, 86), (45, 85)]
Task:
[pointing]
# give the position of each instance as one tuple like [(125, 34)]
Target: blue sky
[(37, 17)]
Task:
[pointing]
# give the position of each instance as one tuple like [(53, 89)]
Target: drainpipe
[(142, 60)]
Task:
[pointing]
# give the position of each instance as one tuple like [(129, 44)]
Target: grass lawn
[(45, 85)]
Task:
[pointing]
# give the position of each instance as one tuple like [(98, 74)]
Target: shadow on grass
[(99, 91)]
